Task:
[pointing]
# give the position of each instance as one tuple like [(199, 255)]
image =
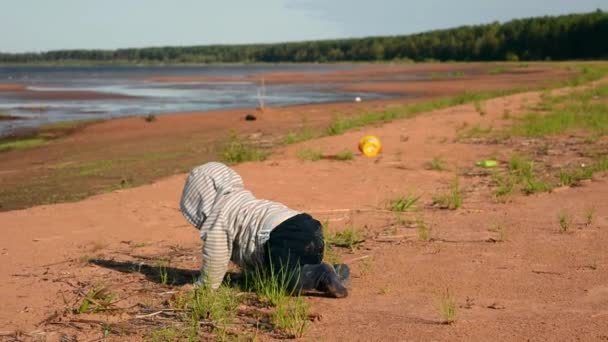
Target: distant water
[(152, 97)]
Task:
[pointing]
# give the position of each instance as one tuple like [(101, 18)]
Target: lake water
[(151, 97)]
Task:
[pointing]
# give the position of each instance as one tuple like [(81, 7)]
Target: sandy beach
[(532, 282)]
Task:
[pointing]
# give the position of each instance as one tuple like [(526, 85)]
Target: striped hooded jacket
[(233, 224)]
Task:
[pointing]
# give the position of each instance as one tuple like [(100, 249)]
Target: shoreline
[(72, 161), (398, 81)]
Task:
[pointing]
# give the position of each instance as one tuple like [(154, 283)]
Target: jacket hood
[(205, 185)]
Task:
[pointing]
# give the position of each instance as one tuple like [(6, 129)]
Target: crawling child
[(254, 233)]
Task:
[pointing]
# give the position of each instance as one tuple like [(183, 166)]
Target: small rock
[(250, 117)]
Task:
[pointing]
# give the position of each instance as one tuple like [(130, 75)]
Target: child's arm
[(217, 250)]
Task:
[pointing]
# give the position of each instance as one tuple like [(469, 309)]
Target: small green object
[(487, 163)]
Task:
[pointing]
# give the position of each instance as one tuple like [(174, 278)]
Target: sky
[(42, 25)]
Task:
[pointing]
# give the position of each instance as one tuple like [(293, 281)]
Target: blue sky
[(39, 25)]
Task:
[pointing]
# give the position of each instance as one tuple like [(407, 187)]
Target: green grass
[(97, 299), (237, 150), (343, 124), (437, 164), (271, 286), (344, 155), (536, 185), (601, 164), (310, 154), (573, 178), (404, 203), (61, 129), (521, 175), (307, 134), (220, 306), (575, 111), (291, 316), (565, 221), (504, 184), (163, 274), (348, 238), (447, 307), (21, 144), (451, 200), (584, 74)]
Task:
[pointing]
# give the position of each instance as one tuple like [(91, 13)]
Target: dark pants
[(296, 242), (294, 253)]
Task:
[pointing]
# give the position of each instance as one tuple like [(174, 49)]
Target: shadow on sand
[(175, 276)]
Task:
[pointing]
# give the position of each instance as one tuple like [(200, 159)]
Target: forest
[(566, 37)]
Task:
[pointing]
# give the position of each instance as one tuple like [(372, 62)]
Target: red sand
[(539, 285)]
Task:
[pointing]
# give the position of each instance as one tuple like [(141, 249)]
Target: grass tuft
[(574, 177), (291, 316), (96, 300), (447, 307), (404, 203), (565, 113), (344, 155), (163, 273), (237, 150), (219, 306), (520, 175), (347, 238), (437, 164), (451, 200), (271, 286), (565, 221), (292, 137), (309, 154), (21, 144)]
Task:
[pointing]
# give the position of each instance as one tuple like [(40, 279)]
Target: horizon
[(334, 21)]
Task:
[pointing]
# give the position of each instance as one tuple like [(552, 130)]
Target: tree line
[(574, 36)]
